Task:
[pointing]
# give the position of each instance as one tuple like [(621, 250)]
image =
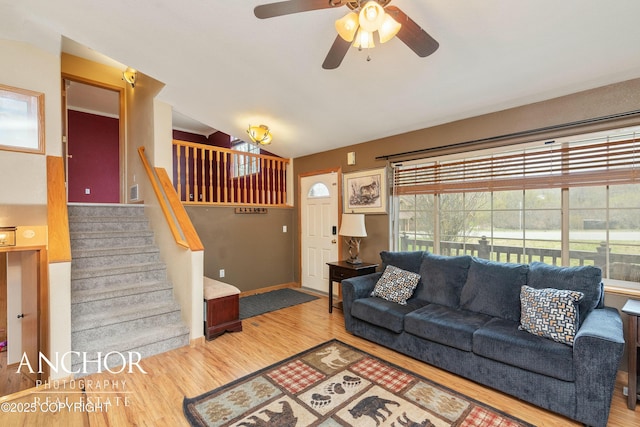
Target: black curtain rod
[(530, 132)]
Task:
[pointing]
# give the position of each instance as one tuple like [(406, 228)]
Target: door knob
[(334, 241), (20, 315)]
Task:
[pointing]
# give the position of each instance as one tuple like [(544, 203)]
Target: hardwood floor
[(155, 398), (10, 381)]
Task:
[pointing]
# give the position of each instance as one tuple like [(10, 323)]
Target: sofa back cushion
[(493, 288), (586, 279), (409, 261), (443, 278)]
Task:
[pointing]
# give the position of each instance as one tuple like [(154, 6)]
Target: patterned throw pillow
[(550, 313), (396, 285)]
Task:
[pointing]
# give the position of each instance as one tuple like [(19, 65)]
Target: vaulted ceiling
[(227, 69)]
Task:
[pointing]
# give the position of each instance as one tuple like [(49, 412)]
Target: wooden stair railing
[(205, 174), (177, 218), (57, 217)]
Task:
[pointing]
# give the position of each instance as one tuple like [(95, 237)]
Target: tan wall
[(613, 99), (251, 248)]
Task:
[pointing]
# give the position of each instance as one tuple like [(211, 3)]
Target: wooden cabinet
[(340, 270)]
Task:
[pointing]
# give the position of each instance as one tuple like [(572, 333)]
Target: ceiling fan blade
[(336, 54), (412, 35), (294, 6)]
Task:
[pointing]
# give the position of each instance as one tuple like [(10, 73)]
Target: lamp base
[(354, 261)]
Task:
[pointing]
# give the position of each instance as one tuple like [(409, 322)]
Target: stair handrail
[(174, 212), (57, 215)]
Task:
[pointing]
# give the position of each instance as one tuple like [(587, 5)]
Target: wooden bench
[(222, 312)]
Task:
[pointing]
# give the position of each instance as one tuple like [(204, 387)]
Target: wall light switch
[(284, 228), (221, 273), (87, 191)]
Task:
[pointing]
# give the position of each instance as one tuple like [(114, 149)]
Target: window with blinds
[(569, 202), (556, 165)]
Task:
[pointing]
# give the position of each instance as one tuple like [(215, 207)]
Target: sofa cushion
[(396, 285), (409, 260), (501, 340), (550, 313), (493, 288), (382, 313), (586, 279), (445, 325), (443, 278)]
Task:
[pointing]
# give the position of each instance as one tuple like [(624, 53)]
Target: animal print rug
[(335, 384)]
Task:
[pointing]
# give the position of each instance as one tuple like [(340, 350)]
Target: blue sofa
[(464, 317)]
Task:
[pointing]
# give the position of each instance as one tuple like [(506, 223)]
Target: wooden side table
[(632, 308), (341, 270)]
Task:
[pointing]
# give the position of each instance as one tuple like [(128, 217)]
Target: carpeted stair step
[(110, 239), (121, 320), (153, 340), (108, 223), (100, 299), (84, 259), (121, 298), (85, 278)]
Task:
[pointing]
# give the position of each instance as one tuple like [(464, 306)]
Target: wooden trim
[(57, 215), (197, 342), (226, 150), (123, 191), (269, 289), (625, 292), (176, 216), (43, 306), (181, 216), (163, 205), (40, 120)]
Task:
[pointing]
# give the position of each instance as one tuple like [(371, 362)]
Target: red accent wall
[(95, 162)]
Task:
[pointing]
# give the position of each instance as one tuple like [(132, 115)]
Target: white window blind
[(552, 166)]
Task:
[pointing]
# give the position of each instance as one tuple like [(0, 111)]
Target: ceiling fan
[(365, 18)]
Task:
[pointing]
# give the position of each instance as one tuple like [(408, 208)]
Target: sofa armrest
[(597, 351), (353, 289)]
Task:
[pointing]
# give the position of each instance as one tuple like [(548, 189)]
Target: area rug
[(255, 305), (335, 384)]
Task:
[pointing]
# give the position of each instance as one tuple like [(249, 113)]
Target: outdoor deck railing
[(621, 266), (205, 174)]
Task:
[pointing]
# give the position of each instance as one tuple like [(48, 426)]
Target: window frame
[(437, 190)]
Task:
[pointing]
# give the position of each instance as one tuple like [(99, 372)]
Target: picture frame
[(21, 120), (365, 191)]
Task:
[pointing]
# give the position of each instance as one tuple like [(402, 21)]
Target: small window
[(245, 165), (318, 190)]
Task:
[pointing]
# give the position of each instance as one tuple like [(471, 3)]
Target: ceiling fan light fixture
[(347, 26), (260, 135), (364, 40), (388, 29), (371, 16)]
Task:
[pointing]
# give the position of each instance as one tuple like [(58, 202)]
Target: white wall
[(24, 201), (185, 268)]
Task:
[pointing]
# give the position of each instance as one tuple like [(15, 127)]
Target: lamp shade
[(364, 39), (260, 134), (371, 16), (388, 29), (353, 225), (347, 26)]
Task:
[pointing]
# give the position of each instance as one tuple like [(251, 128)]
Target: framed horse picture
[(365, 191)]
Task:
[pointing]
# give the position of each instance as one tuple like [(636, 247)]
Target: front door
[(319, 228)]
